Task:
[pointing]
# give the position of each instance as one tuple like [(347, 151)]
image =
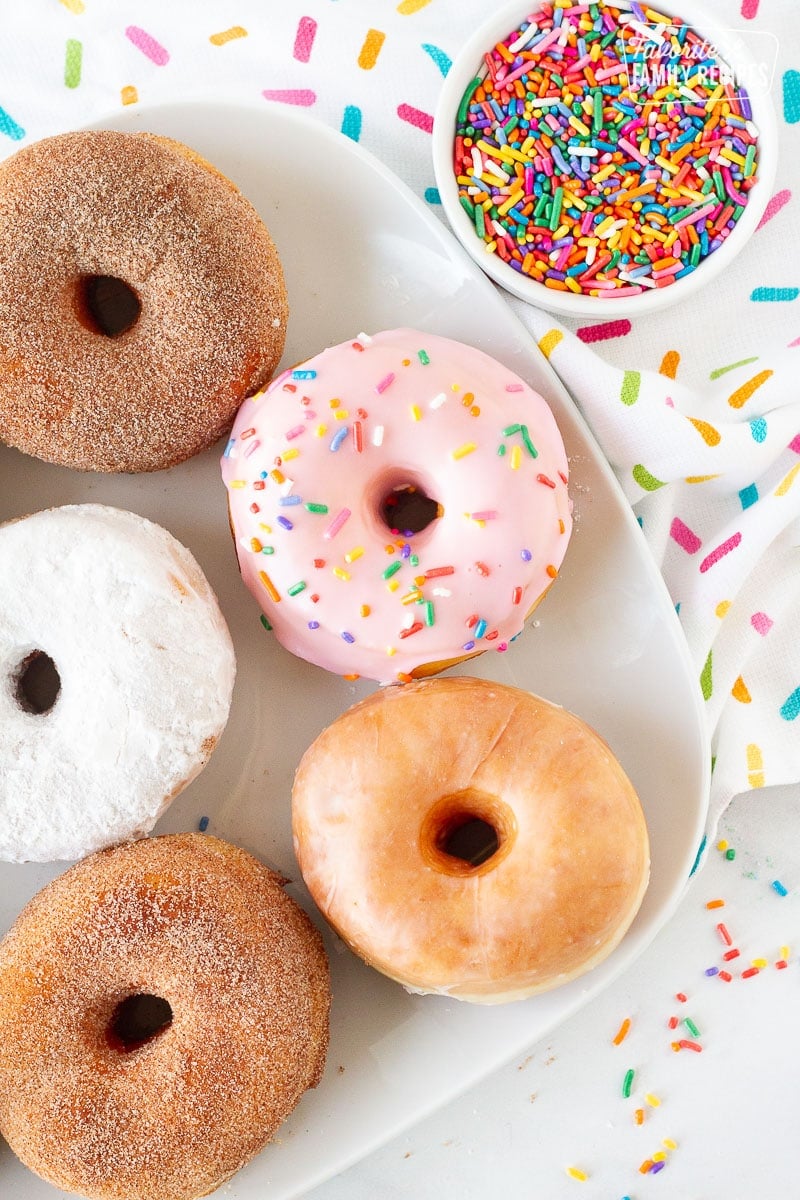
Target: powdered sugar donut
[(399, 503), (116, 674)]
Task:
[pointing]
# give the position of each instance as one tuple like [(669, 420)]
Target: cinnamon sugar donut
[(388, 798), (85, 213), (163, 1007)]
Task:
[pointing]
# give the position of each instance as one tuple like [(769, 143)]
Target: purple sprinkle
[(202, 824), (348, 637), (285, 523), (405, 552), (712, 971), (287, 501), (313, 624), (658, 1166), (525, 555), (468, 646)]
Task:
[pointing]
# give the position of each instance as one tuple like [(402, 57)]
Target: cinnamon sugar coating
[(212, 326), (203, 925)]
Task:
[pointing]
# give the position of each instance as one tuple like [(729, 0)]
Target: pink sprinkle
[(514, 387), (306, 32), (683, 535), (293, 433), (775, 205), (693, 217), (337, 523), (251, 448), (794, 444), (415, 116), (608, 329), (761, 623), (720, 552), (148, 45), (487, 515), (384, 383), (299, 96), (749, 9)]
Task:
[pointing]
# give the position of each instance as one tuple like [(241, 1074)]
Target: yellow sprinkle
[(392, 585), (274, 594), (760, 963), (604, 173), (510, 202), (237, 483), (756, 779), (411, 597), (227, 35), (669, 1143), (665, 163), (652, 1100), (256, 546), (390, 650), (340, 573), (321, 430), (464, 450), (550, 340), (129, 95), (353, 554), (266, 528), (278, 476), (416, 412), (341, 414), (723, 845), (577, 1173), (787, 482), (754, 760), (721, 610), (785, 951), (74, 6), (365, 610), (516, 458), (289, 454), (407, 7), (334, 403), (700, 478), (659, 1156)]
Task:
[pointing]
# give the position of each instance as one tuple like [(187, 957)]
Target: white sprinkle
[(377, 435), (441, 591), (365, 339), (438, 401)]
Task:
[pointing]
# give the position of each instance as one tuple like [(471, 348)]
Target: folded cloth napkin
[(713, 474), (710, 463)]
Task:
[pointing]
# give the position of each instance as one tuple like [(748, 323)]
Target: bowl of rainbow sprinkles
[(607, 157)]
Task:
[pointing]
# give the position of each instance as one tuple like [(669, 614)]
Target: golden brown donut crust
[(213, 317), (208, 928), (377, 787)]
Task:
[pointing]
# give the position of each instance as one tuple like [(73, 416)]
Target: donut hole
[(106, 305), (137, 1020), (37, 683), (467, 833), (404, 503)]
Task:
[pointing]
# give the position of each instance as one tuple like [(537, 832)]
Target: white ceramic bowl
[(730, 46)]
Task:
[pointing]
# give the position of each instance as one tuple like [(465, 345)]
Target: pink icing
[(339, 434)]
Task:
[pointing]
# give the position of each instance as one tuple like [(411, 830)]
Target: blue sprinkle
[(480, 629), (711, 971), (202, 824), (348, 637), (338, 437), (790, 709), (227, 451), (748, 495), (758, 429), (307, 374), (286, 501), (766, 294), (699, 856), (313, 624), (9, 126), (779, 888), (351, 122), (285, 523), (442, 60)]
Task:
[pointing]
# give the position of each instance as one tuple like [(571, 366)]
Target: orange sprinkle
[(129, 95), (227, 35), (622, 1032), (638, 1116), (716, 904), (273, 592)]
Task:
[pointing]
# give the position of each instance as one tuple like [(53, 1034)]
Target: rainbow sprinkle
[(602, 151)]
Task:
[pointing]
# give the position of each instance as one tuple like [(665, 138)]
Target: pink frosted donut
[(398, 503)]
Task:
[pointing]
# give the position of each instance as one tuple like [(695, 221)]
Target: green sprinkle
[(627, 1083), (719, 185), (429, 617), (750, 159), (558, 197), (690, 1025), (422, 355), (509, 429), (317, 508), (414, 560), (730, 855), (694, 255), (684, 212), (501, 449), (529, 446), (266, 624), (706, 680), (480, 221), (297, 588), (631, 382), (72, 63), (468, 207), (463, 107), (391, 570), (743, 362), (267, 549), (597, 112)]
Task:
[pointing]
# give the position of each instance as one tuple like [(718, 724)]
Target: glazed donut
[(153, 379), (163, 1007), (470, 839), (116, 674), (398, 502)]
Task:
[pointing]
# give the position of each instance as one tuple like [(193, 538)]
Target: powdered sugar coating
[(204, 926), (311, 460), (146, 665)]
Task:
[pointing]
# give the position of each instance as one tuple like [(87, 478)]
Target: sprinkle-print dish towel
[(713, 474), (706, 446)]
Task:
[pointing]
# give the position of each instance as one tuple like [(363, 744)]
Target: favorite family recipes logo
[(691, 67)]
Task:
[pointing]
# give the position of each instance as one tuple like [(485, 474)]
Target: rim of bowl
[(464, 69)]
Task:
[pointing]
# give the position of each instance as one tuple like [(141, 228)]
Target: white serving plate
[(361, 252)]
